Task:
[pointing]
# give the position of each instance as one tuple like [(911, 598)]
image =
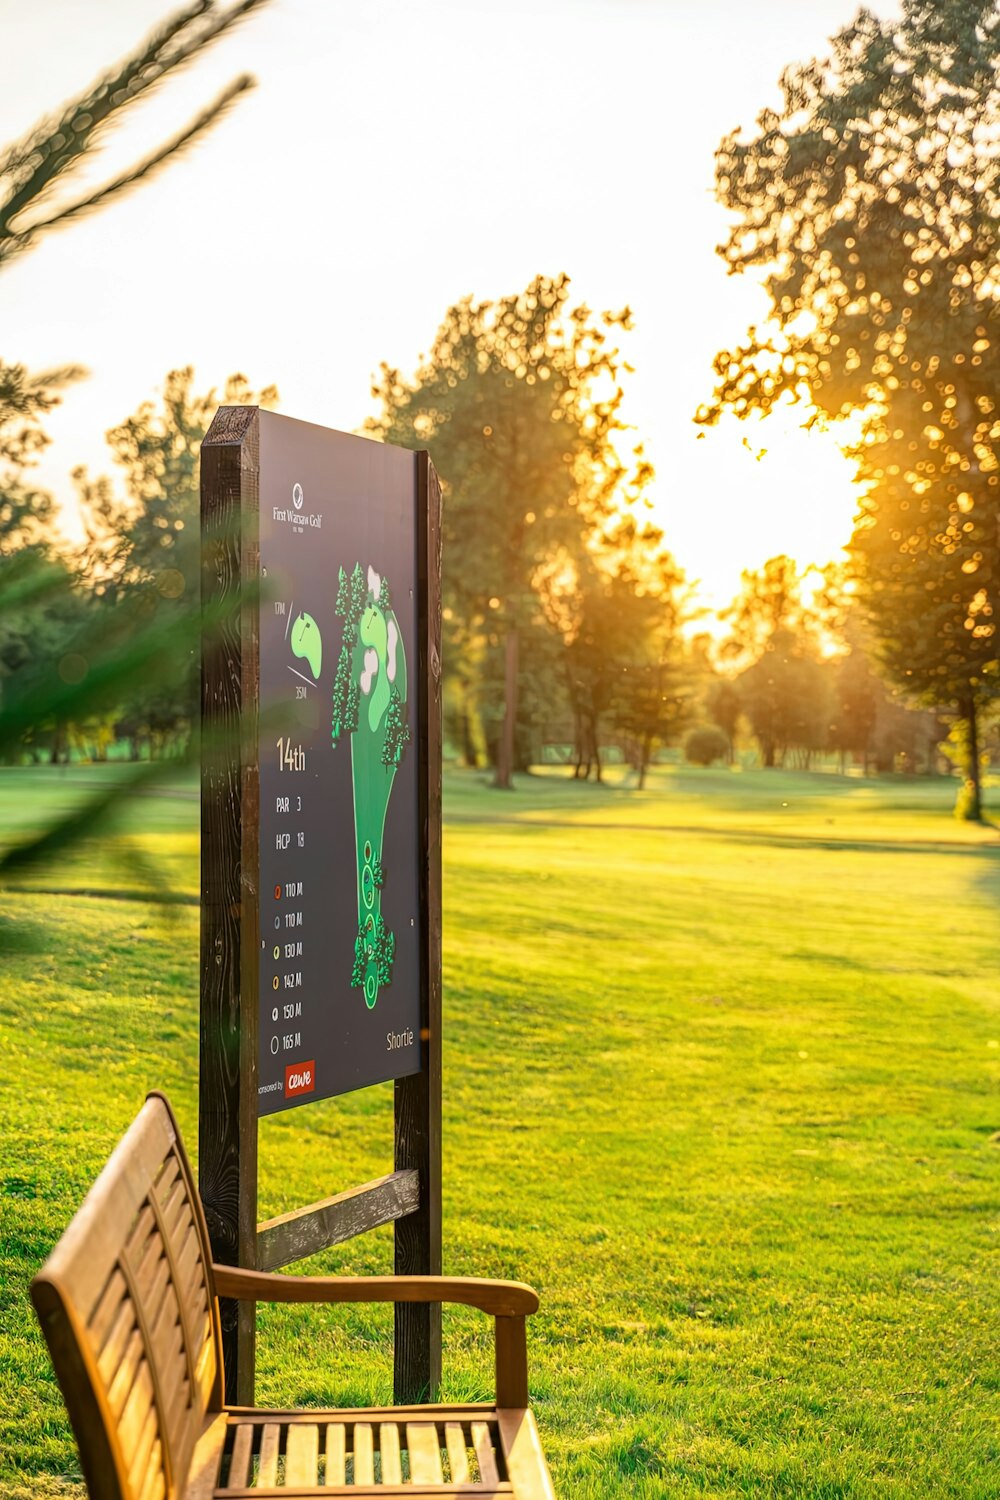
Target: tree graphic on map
[(369, 704)]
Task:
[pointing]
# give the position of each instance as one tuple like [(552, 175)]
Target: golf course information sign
[(320, 843), (339, 888)]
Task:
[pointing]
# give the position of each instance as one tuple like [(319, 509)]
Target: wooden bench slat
[(206, 1461), (267, 1474), (364, 1453), (138, 1238), (147, 1437), (500, 1491), (110, 1358), (458, 1455), (482, 1441), (239, 1463), (186, 1258), (523, 1455), (154, 1486), (124, 1378), (388, 1444), (151, 1280), (108, 1305), (172, 1211), (168, 1174), (179, 1415), (137, 1404), (302, 1456), (480, 1411), (336, 1452), (425, 1453)]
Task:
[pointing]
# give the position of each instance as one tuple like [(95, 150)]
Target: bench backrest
[(128, 1310)]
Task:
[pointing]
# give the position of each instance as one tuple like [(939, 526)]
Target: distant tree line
[(608, 658)]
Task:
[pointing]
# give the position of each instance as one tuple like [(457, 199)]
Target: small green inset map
[(307, 642), (369, 704)]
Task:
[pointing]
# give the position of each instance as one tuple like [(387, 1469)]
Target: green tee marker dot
[(307, 642), (369, 704)]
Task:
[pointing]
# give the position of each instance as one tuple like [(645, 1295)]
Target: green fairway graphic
[(369, 704), (307, 642)]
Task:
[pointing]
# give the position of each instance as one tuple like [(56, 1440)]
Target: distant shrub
[(703, 746)]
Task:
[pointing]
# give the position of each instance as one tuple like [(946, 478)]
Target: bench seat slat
[(267, 1475), (364, 1453), (302, 1456), (239, 1463), (336, 1453), (425, 1453), (388, 1443), (458, 1454), (482, 1441)]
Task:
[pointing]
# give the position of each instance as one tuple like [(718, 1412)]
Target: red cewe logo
[(300, 1078)]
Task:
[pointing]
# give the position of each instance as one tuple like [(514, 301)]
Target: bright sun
[(736, 494)]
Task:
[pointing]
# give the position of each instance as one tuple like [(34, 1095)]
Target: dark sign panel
[(339, 969)]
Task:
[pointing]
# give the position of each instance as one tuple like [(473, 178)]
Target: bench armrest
[(502, 1299), (509, 1302)]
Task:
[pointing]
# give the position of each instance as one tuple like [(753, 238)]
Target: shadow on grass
[(22, 936)]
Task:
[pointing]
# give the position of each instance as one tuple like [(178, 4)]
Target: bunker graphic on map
[(369, 704)]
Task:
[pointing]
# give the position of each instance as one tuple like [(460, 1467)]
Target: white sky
[(399, 154)]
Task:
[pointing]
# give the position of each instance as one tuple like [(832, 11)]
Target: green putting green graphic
[(307, 642), (369, 704)]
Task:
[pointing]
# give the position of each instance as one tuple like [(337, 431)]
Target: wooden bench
[(128, 1302)]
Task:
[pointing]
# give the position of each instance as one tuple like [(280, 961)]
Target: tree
[(770, 599), (144, 549), (619, 613), (786, 696), (706, 745), (25, 512), (518, 402), (724, 709), (871, 202)]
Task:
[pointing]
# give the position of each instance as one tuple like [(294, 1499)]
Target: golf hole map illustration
[(339, 847), (369, 704)]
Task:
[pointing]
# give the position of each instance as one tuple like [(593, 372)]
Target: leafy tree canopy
[(519, 403)]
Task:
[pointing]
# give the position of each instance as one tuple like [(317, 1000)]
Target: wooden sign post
[(321, 840)]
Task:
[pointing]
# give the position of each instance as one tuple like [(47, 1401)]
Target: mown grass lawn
[(721, 1079)]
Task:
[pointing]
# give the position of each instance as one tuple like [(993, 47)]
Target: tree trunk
[(645, 751), (505, 752), (469, 756), (972, 805)]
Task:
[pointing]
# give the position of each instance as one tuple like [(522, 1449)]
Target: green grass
[(721, 1068)]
